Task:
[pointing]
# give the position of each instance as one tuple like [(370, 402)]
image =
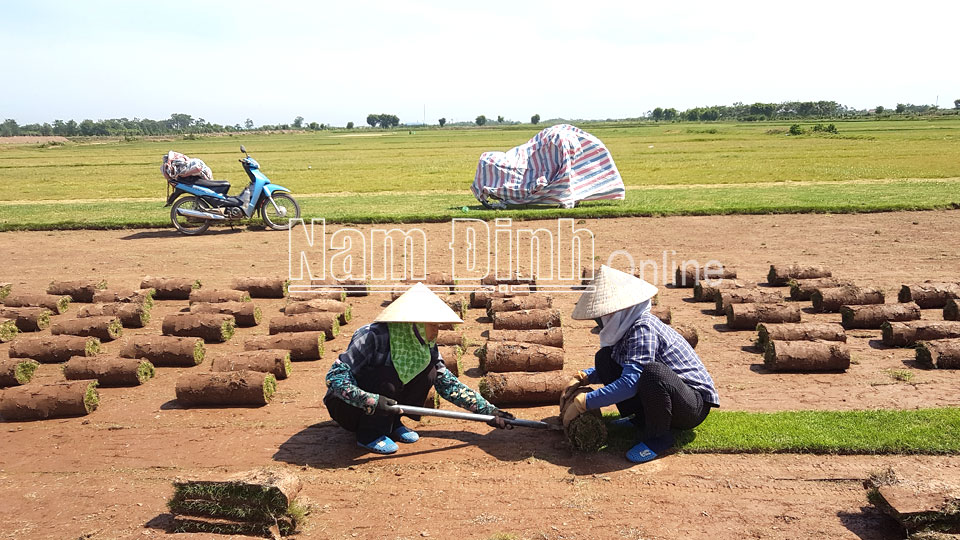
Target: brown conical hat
[(613, 290), (418, 305)]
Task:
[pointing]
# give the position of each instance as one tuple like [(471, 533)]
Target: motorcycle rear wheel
[(184, 224), (274, 220)]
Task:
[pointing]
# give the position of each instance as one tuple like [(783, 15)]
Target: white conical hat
[(613, 290), (418, 305)]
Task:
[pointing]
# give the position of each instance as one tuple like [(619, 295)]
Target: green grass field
[(375, 176)]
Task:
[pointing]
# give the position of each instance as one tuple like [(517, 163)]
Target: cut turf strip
[(54, 400), (806, 356), (16, 371), (518, 303), (503, 389), (328, 323), (104, 328), (53, 349), (273, 361), (210, 327), (28, 319), (80, 290), (303, 346), (780, 275), (450, 339), (552, 337), (131, 315), (212, 296), (109, 370), (528, 319), (767, 332), (263, 287), (56, 304), (166, 351), (503, 356), (451, 355), (171, 288), (245, 314), (225, 389), (587, 433)]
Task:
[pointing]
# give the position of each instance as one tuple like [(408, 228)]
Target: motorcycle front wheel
[(184, 224), (282, 220)]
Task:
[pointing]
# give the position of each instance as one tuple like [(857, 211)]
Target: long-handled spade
[(424, 411)]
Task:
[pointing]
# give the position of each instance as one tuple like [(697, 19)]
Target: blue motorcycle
[(206, 201)]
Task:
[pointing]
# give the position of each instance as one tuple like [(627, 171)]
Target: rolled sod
[(688, 333), (806, 356), (273, 361), (767, 332), (213, 296), (481, 299), (451, 339), (451, 358), (132, 296), (262, 287), (703, 292), (830, 300), (349, 287), (929, 295), (686, 276), (748, 316), (16, 371), (302, 345), (503, 356), (781, 274), (328, 323), (513, 279), (432, 401), (458, 305), (8, 330), (587, 432), (663, 313), (79, 290), (109, 370), (802, 289), (53, 349), (5, 289), (106, 328), (54, 400), (873, 316), (210, 327), (166, 351), (318, 305), (552, 337), (171, 288), (55, 303), (131, 315), (533, 301), (906, 334), (528, 319), (250, 388), (339, 296), (940, 354), (245, 314), (745, 296), (520, 388), (28, 319)]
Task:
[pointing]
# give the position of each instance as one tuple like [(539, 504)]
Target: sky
[(336, 62)]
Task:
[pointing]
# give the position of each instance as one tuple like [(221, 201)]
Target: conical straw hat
[(418, 305), (613, 290)]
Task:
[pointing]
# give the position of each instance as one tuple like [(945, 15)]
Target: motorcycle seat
[(220, 186)]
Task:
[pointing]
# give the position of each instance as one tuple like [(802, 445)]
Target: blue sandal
[(641, 453), (405, 435), (380, 445)]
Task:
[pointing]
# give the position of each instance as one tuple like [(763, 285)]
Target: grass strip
[(922, 431), (145, 371), (91, 398), (24, 370)]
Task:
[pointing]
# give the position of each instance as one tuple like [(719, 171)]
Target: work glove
[(576, 407), (497, 420), (384, 403), (575, 383)]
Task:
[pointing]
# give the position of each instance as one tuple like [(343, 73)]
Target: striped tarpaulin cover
[(560, 165)]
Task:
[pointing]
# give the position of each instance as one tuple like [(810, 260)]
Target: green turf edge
[(287, 365), (227, 329), (321, 340), (92, 347), (24, 370), (5, 290), (91, 398), (199, 352), (8, 330), (115, 328), (269, 387), (145, 371)]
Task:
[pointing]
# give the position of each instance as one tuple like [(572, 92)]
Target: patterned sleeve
[(340, 378), (451, 389)]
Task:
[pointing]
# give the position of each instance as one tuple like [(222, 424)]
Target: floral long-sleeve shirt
[(370, 347)]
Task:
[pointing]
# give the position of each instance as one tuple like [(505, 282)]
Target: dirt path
[(108, 474)]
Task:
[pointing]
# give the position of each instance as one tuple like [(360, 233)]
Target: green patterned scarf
[(409, 356)]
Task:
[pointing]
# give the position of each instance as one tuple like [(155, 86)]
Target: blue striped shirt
[(649, 340)]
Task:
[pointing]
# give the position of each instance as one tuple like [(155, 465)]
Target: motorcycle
[(206, 201)]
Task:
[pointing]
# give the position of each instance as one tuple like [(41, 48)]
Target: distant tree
[(956, 104), (372, 119), (313, 126), (442, 121), (298, 122), (499, 119), (657, 114), (46, 130), (795, 129), (535, 119), (670, 114), (481, 120), (87, 128), (901, 108), (880, 109), (692, 114), (387, 120), (180, 121), (71, 129), (248, 124), (349, 125), (9, 128)]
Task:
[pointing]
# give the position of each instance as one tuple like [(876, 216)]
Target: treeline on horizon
[(180, 124)]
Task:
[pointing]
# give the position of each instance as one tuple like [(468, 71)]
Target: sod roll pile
[(304, 296), (663, 313), (131, 315), (502, 356), (210, 327), (109, 370), (133, 296), (906, 334), (5, 289), (55, 303), (708, 292), (517, 303), (256, 503), (929, 295), (328, 323), (273, 361), (245, 314), (781, 274), (830, 300), (166, 351), (806, 356), (354, 287), (451, 358), (528, 319), (587, 432), (27, 319), (263, 287), (951, 310), (212, 296), (457, 304), (517, 388), (319, 305), (302, 345), (802, 289), (688, 333), (940, 353), (16, 371), (8, 329), (452, 339), (873, 316), (53, 349), (481, 299), (228, 388), (79, 290), (552, 337), (54, 400), (748, 316), (767, 332), (689, 276), (104, 328), (745, 296), (171, 288), (494, 280)]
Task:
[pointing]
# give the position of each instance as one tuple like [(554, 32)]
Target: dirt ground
[(107, 475)]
